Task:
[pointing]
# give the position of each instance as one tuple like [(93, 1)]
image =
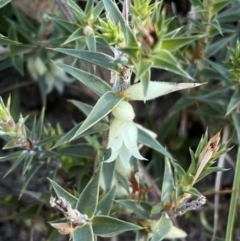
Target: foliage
[(90, 36)]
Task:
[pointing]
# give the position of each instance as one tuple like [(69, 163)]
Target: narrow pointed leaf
[(98, 127), (146, 139), (103, 107), (17, 61), (106, 226), (83, 233), (163, 227), (155, 89), (91, 42), (66, 25), (167, 184), (219, 5), (236, 120), (79, 150), (96, 84), (108, 174), (85, 108), (143, 208), (77, 34), (216, 46), (96, 58), (4, 2), (172, 44), (6, 41), (16, 162), (27, 162), (29, 176), (105, 204), (165, 60), (11, 156), (98, 9), (40, 123), (87, 202), (234, 102), (63, 193), (175, 232)]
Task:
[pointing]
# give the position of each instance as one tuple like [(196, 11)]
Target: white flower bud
[(88, 30), (124, 111)]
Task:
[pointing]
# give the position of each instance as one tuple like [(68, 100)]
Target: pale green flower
[(56, 77), (123, 141)]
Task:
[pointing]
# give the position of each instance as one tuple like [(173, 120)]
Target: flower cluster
[(123, 135), (15, 131), (54, 76)]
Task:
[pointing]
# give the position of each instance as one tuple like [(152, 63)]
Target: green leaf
[(64, 194), (219, 5), (168, 183), (4, 2), (198, 4), (77, 34), (16, 162), (216, 46), (77, 11), (105, 204), (234, 102), (172, 44), (98, 127), (6, 41), (96, 84), (103, 107), (5, 64), (175, 232), (89, 6), (165, 60), (236, 121), (69, 27), (83, 233), (108, 174), (107, 226), (123, 181), (144, 74), (194, 192), (115, 15), (142, 235), (91, 42), (29, 176), (219, 68), (98, 9), (79, 150), (143, 208), (96, 58), (27, 162), (87, 202), (163, 227), (17, 61), (146, 139), (85, 108), (40, 123), (11, 156), (231, 14)]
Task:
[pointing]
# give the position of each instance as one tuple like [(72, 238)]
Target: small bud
[(88, 30), (124, 111)]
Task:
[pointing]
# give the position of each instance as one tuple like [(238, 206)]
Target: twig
[(67, 12), (218, 183)]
